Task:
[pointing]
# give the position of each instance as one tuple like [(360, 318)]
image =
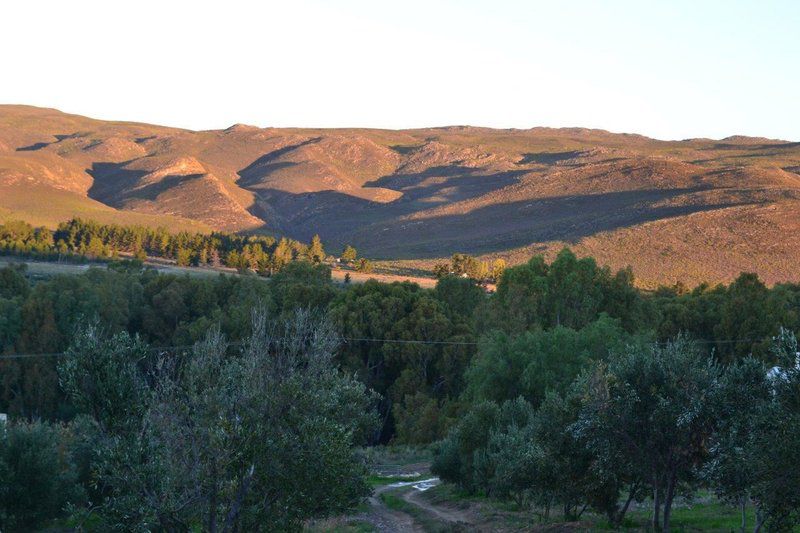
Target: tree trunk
[(671, 484), (759, 521), (656, 504), (212, 504), (232, 519), (743, 504), (620, 515)]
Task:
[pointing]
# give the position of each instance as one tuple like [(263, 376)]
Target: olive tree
[(757, 447), (38, 479), (654, 407), (229, 438)]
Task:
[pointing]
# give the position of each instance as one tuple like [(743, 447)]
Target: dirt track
[(448, 515), (390, 520)]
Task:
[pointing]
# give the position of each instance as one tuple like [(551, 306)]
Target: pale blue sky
[(670, 69)]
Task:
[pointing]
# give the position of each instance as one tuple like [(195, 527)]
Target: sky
[(667, 69)]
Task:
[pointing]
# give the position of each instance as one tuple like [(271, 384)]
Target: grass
[(339, 525), (377, 480), (394, 501), (342, 524), (708, 514), (37, 269), (495, 514), (45, 269), (45, 206), (397, 455)]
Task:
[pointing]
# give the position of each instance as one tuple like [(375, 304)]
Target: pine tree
[(349, 255), (315, 251)]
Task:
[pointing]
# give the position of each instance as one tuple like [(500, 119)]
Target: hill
[(692, 210)]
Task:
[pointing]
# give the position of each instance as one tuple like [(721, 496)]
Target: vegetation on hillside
[(77, 239)]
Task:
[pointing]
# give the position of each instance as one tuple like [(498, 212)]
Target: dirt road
[(391, 520), (447, 515), (388, 520)]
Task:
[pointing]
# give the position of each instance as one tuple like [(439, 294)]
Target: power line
[(239, 343), (347, 340), (410, 341)]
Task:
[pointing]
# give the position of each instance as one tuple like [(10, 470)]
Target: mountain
[(693, 210)]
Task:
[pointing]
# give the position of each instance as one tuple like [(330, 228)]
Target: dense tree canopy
[(569, 292), (80, 239), (567, 388), (230, 439)]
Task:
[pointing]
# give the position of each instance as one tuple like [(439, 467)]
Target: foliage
[(566, 389), (467, 266), (534, 362), (418, 381), (349, 254), (38, 479), (316, 253), (758, 439), (104, 377), (532, 456), (570, 292), (226, 440), (79, 239), (364, 266), (654, 408)]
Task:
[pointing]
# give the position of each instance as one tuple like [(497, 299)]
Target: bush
[(37, 477)]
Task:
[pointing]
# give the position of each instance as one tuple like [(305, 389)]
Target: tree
[(183, 257), (566, 468), (441, 270), (568, 292), (230, 441), (419, 382), (302, 285), (460, 295), (316, 253), (653, 406), (741, 402), (456, 457), (349, 255), (498, 267), (745, 314), (102, 375), (282, 255), (534, 362), (364, 265), (466, 265), (13, 282), (758, 440), (37, 477), (214, 259)]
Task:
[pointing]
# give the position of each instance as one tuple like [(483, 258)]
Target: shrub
[(37, 477)]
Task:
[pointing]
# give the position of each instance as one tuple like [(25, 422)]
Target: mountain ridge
[(418, 195)]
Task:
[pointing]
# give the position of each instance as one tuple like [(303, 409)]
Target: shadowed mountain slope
[(694, 210)]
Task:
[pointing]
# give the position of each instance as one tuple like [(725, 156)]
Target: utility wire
[(409, 341), (348, 340)]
